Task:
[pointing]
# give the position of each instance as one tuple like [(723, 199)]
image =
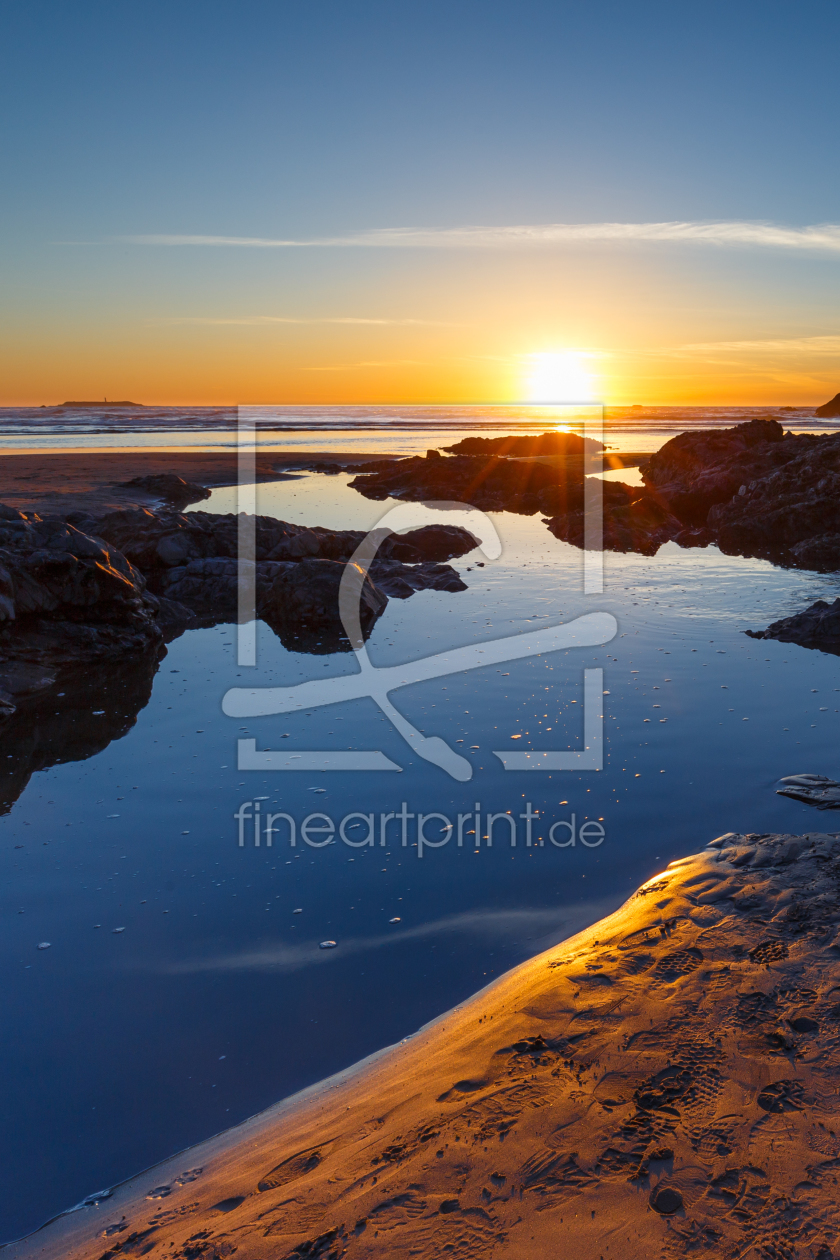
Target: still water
[(184, 988)]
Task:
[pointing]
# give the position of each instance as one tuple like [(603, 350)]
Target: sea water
[(183, 986)]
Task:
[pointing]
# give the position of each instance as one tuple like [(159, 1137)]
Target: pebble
[(44, 944), (328, 944)]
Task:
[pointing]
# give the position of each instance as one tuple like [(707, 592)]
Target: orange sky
[(672, 324)]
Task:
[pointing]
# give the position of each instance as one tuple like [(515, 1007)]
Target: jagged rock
[(757, 490), (817, 627), (829, 410), (74, 590), (190, 561), (694, 471), (787, 514), (401, 580), (66, 597)]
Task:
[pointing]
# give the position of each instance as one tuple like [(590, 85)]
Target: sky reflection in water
[(215, 1000)]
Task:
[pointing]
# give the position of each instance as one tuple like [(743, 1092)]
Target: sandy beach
[(660, 1083), (57, 482)]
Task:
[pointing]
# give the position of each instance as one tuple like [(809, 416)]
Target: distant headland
[(102, 404)]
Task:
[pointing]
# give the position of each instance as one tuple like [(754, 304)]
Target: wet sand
[(67, 481), (89, 480), (662, 1083)]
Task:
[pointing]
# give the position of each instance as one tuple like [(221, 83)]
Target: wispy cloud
[(823, 346), (256, 321), (365, 363), (820, 237)]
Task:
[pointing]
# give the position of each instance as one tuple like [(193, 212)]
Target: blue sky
[(281, 121)]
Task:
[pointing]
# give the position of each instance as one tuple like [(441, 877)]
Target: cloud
[(365, 363), (256, 321), (821, 237), (821, 346), (536, 929)]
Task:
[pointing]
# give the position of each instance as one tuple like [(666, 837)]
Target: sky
[(215, 202)]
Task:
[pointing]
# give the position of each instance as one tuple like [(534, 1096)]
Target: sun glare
[(558, 378)]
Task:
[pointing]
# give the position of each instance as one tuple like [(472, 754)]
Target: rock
[(490, 483), (817, 626), (756, 491), (77, 590), (562, 444), (401, 580), (300, 603), (170, 488), (190, 561), (829, 410), (430, 542), (789, 515), (694, 471), (155, 541), (813, 789), (67, 597), (633, 520)]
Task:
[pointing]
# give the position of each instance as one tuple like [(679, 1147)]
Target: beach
[(167, 975), (666, 1079)]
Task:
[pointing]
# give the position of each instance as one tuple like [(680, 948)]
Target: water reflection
[(73, 721)]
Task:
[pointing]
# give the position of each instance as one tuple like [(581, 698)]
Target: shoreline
[(622, 1090), (57, 482)]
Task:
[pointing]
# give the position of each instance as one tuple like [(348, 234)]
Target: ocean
[(398, 430)]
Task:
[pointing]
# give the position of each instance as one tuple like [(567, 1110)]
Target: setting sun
[(558, 378)]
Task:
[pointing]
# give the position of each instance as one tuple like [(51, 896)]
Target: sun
[(558, 378)]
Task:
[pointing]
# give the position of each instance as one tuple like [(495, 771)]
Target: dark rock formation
[(492, 484), (829, 410), (70, 600), (695, 471), (66, 598), (790, 514), (170, 488), (811, 789), (815, 627), (155, 542), (191, 560), (563, 444), (80, 590), (633, 520), (755, 491)]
